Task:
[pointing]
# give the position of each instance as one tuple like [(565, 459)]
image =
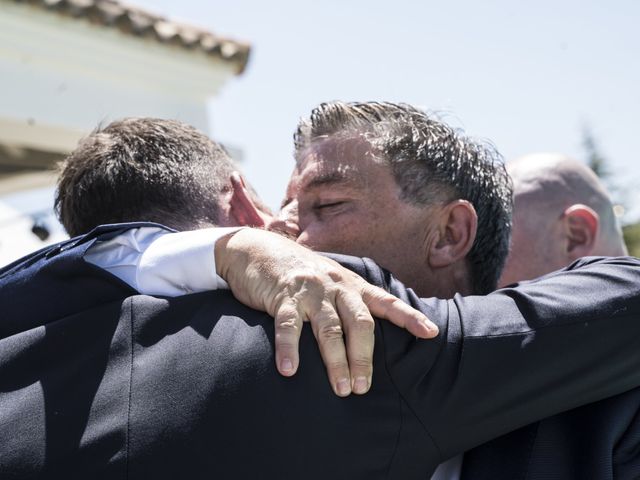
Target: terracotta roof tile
[(139, 22)]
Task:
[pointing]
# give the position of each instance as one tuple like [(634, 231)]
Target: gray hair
[(431, 162)]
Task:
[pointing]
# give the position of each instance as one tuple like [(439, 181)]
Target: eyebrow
[(331, 178)]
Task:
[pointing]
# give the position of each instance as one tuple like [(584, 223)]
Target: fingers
[(288, 325), (359, 331), (329, 334), (382, 304)]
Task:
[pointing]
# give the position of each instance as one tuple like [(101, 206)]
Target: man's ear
[(581, 228), (243, 208), (456, 234)]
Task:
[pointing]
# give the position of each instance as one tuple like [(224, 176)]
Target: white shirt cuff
[(181, 263), (156, 262)]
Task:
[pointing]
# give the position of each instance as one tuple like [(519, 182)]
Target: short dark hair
[(142, 169), (431, 162)]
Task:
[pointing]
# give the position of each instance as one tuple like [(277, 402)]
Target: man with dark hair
[(165, 388), (109, 179), (395, 180)]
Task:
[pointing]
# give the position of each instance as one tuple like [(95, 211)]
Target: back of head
[(142, 169), (550, 191), (431, 163)]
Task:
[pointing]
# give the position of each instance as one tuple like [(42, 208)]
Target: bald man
[(562, 212)]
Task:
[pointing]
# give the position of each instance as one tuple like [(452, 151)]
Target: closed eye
[(327, 205)]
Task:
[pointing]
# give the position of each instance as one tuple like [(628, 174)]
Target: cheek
[(319, 241), (330, 236)]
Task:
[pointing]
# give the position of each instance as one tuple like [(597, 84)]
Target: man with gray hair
[(562, 213), (421, 198)]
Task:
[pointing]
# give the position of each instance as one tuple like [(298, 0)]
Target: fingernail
[(429, 325), (344, 388), (286, 365), (361, 385)]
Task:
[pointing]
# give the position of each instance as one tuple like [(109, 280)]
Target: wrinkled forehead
[(330, 161), (345, 147)]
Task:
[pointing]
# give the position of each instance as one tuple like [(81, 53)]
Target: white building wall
[(61, 76), (64, 75)]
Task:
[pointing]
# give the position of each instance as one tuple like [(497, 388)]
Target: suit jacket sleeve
[(519, 354)]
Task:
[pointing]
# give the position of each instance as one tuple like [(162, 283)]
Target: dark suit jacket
[(598, 441), (96, 381)]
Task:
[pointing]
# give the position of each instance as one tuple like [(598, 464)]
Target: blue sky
[(526, 75)]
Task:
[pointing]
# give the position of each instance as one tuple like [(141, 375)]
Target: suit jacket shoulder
[(197, 372), (520, 354), (223, 410)]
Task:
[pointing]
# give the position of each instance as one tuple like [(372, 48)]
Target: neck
[(611, 245), (445, 282)]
